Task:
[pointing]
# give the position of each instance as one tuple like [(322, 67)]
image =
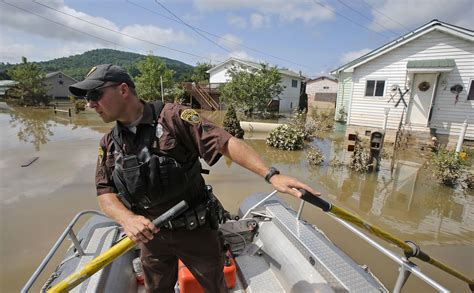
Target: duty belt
[(193, 218)]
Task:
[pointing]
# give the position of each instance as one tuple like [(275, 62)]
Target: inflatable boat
[(270, 249)]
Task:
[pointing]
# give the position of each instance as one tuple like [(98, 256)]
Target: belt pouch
[(201, 213), (190, 220)]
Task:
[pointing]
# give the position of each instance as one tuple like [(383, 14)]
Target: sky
[(311, 36)]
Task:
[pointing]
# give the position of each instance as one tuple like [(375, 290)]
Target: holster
[(216, 212)]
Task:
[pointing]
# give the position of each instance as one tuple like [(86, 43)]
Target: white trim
[(349, 105), (375, 87)]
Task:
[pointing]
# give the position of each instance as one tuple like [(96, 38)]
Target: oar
[(112, 253), (410, 249)]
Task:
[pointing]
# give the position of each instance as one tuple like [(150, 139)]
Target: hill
[(77, 66)]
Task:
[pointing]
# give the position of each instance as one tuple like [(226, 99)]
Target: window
[(294, 83), (470, 92), (374, 88), (325, 87)]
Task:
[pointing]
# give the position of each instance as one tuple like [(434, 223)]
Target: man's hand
[(139, 228), (285, 184)]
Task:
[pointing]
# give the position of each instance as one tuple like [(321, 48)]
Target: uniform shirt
[(184, 141)]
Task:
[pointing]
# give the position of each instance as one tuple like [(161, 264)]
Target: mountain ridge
[(78, 65)]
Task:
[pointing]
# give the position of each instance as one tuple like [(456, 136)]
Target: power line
[(62, 25), (191, 27), (118, 32), (366, 17), (381, 13), (350, 20), (220, 37)]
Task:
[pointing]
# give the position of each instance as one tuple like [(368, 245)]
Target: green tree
[(252, 89), (30, 90), (200, 72), (231, 123), (148, 81)]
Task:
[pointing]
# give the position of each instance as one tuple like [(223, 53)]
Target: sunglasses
[(96, 94)]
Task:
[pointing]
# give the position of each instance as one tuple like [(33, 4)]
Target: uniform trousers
[(201, 250)]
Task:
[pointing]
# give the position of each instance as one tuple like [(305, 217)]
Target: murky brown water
[(38, 201)]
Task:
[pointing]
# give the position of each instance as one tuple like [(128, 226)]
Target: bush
[(80, 105), (315, 156), (286, 138), (448, 166), (318, 122), (232, 124), (360, 161)]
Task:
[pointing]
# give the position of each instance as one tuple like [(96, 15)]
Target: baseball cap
[(98, 76)]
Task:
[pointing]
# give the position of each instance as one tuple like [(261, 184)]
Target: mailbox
[(376, 140), (376, 144)]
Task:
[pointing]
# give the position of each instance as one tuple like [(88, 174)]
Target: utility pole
[(162, 95)]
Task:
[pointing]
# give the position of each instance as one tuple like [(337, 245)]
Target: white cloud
[(232, 42), (305, 10), (237, 21), (152, 34), (403, 14), (352, 55), (258, 20), (65, 34)]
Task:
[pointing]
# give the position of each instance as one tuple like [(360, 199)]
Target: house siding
[(447, 117), (59, 85), (317, 86)]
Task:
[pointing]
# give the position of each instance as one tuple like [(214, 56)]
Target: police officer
[(148, 162)]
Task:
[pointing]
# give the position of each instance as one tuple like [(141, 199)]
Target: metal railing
[(67, 232), (406, 267)]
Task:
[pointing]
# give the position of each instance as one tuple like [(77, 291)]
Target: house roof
[(422, 30), (51, 74), (256, 65), (321, 78)]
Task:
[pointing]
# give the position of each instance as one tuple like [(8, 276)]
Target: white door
[(422, 94)]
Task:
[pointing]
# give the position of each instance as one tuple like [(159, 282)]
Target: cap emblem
[(90, 71)]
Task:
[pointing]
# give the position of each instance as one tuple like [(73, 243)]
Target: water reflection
[(33, 126)]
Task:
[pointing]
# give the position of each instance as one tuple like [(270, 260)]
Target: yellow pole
[(112, 253), (93, 266), (410, 249)]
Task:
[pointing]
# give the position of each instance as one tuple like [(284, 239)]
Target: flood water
[(38, 201)]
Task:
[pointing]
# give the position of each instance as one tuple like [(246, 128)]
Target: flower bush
[(286, 137)]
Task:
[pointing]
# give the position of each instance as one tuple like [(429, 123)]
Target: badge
[(159, 130), (191, 116), (101, 154)]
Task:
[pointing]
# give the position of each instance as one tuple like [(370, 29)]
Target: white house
[(321, 92), (288, 99), (433, 66), (58, 84)]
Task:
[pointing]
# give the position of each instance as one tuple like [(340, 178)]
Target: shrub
[(286, 138), (80, 105), (315, 156), (232, 124), (448, 166)]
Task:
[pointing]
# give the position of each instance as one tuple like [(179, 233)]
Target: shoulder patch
[(101, 154), (191, 116)]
